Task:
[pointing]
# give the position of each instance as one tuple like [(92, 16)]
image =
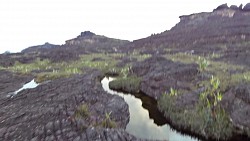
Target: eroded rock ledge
[(49, 111)]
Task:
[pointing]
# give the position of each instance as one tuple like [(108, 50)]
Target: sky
[(25, 23)]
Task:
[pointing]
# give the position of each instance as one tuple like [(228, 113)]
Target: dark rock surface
[(237, 102), (247, 7), (47, 112), (234, 7), (223, 6), (91, 42), (10, 82), (241, 7), (6, 60), (86, 33), (39, 47), (197, 32), (159, 75)]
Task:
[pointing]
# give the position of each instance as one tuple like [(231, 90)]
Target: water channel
[(146, 122)]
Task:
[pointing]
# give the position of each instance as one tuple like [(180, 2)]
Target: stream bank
[(146, 121)]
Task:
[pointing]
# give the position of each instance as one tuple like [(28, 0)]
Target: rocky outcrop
[(6, 60), (247, 7), (241, 7), (237, 103), (11, 82), (221, 7), (159, 75), (39, 48), (86, 34), (234, 7), (51, 110), (95, 43)]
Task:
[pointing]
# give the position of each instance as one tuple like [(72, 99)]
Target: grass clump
[(27, 68), (42, 77), (203, 64), (108, 122), (217, 123), (129, 84), (173, 92), (82, 111)]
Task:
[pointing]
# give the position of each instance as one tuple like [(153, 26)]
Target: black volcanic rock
[(247, 7)]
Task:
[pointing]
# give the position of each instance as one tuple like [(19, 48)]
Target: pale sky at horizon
[(32, 22)]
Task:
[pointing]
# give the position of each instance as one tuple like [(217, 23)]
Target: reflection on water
[(140, 124), (30, 85)]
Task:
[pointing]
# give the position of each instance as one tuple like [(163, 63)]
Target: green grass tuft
[(129, 84)]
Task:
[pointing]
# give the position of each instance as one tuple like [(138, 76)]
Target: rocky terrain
[(64, 109), (198, 72)]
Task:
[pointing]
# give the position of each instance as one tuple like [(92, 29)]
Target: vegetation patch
[(207, 119), (229, 74), (82, 111), (128, 84), (44, 70), (108, 122)]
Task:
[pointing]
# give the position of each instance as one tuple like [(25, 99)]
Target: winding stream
[(146, 121)]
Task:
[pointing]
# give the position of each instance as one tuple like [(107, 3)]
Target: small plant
[(215, 82), (107, 122), (246, 77), (212, 96), (173, 92), (203, 64), (82, 111)]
